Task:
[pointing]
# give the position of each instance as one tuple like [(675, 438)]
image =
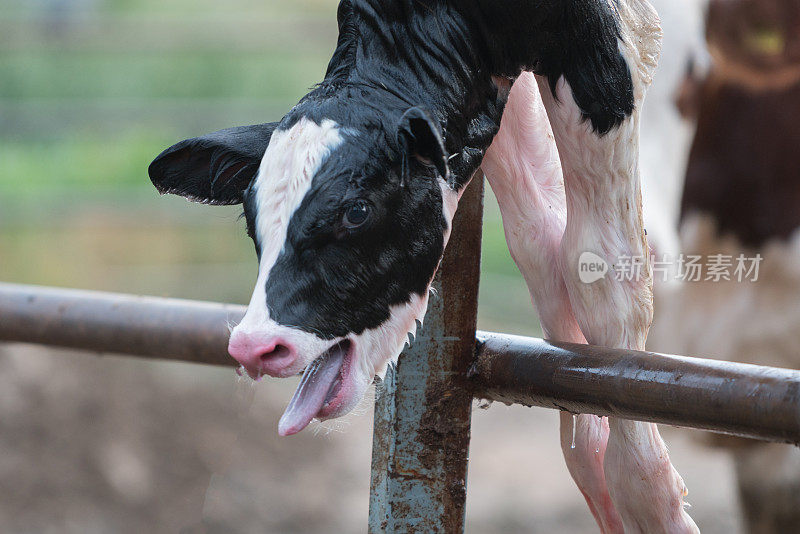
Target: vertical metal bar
[(423, 407)]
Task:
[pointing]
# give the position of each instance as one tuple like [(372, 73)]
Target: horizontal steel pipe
[(171, 329), (731, 398), (739, 399)]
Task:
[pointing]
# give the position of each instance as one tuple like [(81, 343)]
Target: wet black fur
[(435, 56)]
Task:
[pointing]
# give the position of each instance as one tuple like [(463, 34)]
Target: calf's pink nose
[(263, 355)]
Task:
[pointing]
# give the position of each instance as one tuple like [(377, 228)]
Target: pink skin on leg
[(603, 195), (524, 170)]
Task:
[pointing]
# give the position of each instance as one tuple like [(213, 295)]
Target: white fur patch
[(284, 178)]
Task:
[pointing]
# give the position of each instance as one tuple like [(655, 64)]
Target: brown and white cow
[(742, 199)]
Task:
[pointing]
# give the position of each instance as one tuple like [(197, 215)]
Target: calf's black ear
[(421, 136), (215, 168)]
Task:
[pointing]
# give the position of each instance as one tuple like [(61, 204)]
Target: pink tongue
[(318, 381)]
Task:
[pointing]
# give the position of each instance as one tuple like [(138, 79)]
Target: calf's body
[(351, 205)]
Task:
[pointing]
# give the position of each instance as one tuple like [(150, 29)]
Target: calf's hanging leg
[(523, 168), (604, 221)]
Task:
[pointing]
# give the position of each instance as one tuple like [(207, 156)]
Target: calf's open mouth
[(319, 389)]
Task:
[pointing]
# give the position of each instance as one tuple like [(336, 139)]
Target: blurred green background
[(92, 90)]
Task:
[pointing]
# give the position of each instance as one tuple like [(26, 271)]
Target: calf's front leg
[(523, 168), (604, 220)]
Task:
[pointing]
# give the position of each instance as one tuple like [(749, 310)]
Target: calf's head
[(350, 214)]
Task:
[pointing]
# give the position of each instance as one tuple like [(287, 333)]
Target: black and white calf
[(350, 197)]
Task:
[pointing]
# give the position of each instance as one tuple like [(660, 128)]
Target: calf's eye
[(356, 215)]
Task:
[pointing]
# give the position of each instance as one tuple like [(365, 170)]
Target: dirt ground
[(116, 445)]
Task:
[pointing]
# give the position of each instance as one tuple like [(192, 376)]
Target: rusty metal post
[(423, 407)]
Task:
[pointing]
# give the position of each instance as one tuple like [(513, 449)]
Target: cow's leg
[(584, 441), (524, 170), (603, 197)]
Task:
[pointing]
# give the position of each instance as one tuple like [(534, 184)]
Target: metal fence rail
[(731, 398), (740, 399)]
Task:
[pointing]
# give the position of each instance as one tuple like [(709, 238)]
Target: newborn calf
[(350, 197)]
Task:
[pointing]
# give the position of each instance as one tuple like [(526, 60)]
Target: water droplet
[(574, 429), (241, 371), (597, 450)]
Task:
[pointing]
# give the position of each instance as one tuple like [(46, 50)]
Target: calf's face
[(349, 223)]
